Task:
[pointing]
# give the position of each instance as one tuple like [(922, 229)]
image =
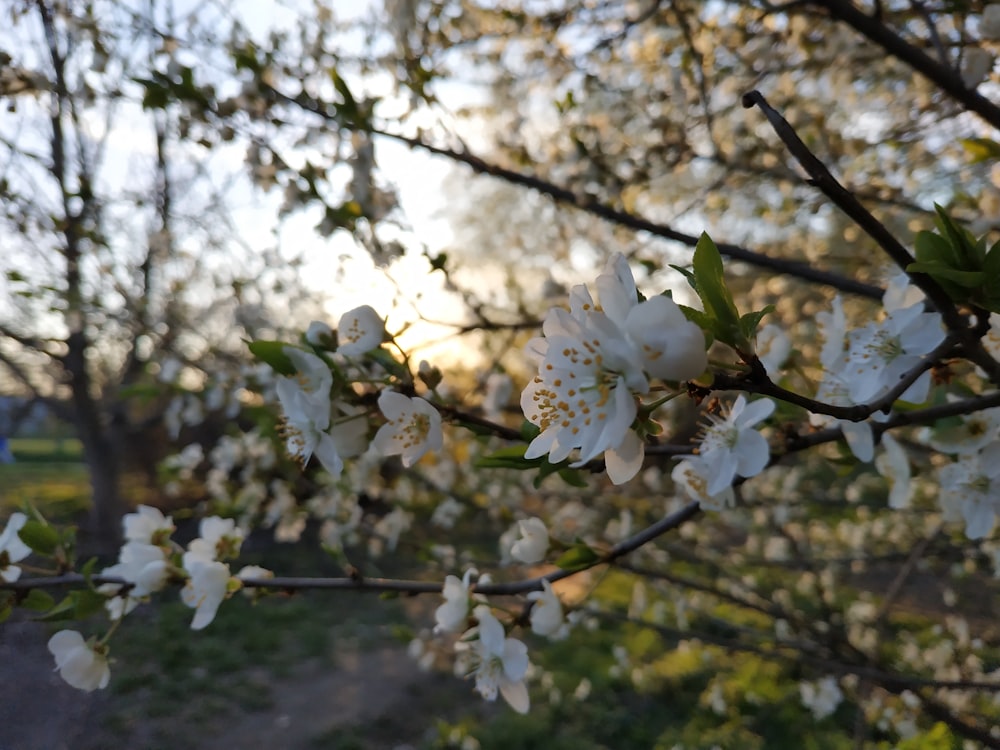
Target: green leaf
[(511, 457), (939, 271), (61, 611), (981, 149), (573, 477), (87, 571), (545, 470), (474, 427), (391, 364), (931, 247), (578, 557), (529, 431), (966, 249), (38, 601), (86, 603), (691, 280), (41, 537), (715, 296), (273, 354), (750, 321)]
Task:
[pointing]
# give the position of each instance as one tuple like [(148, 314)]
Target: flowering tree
[(849, 437)]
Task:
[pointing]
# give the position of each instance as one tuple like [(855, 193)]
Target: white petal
[(625, 461), (859, 439), (752, 454), (516, 695)]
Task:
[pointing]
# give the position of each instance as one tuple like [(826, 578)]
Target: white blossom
[(12, 549), (533, 543), (547, 613), (894, 465), (360, 330), (692, 475), (217, 538), (499, 663), (319, 333), (147, 525), (205, 590), (80, 664), (882, 353), (821, 697), (731, 447), (412, 428), (970, 490), (582, 397), (773, 347), (451, 616)]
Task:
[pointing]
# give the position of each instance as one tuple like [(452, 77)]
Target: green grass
[(46, 449), (183, 684), (58, 489)]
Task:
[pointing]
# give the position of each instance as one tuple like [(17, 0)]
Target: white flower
[(582, 397), (547, 612), (254, 572), (390, 526), (451, 616), (975, 431), (205, 590), (970, 489), (834, 390), (773, 347), (500, 663), (78, 662), (218, 538), (319, 333), (412, 427), (447, 512), (12, 549), (307, 416), (533, 543), (881, 354), (615, 289), (732, 447), (671, 346), (901, 292), (822, 697), (147, 525), (833, 331), (360, 330), (144, 565), (692, 475), (895, 466)]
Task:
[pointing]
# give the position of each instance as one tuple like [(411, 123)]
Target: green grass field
[(49, 473)]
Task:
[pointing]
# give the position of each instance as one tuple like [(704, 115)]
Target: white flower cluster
[(595, 360), (332, 428), (146, 562)]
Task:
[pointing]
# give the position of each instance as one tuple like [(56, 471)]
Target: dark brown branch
[(753, 383), (944, 76), (360, 583), (821, 177)]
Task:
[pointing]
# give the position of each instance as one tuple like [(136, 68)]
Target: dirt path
[(365, 699)]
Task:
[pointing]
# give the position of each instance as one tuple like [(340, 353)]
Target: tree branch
[(821, 177), (568, 197), (944, 76)]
